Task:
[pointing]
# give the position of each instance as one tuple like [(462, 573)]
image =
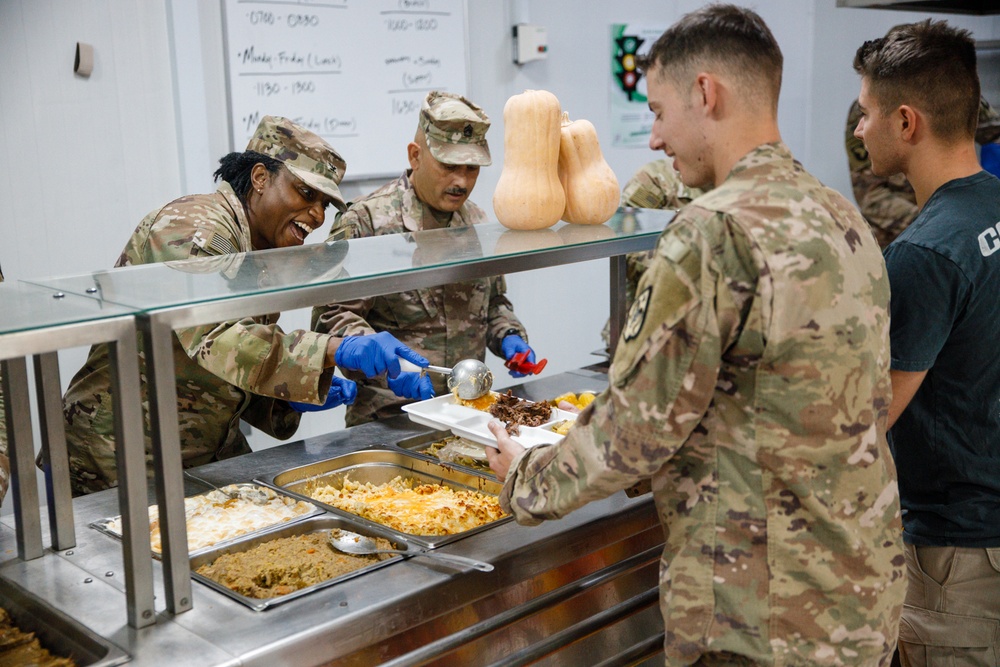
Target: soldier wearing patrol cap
[(271, 196), (455, 129), (448, 323)]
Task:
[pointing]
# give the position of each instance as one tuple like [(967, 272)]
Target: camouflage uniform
[(655, 185), (241, 369), (445, 324), (889, 204), (751, 384), (988, 130), (4, 460)]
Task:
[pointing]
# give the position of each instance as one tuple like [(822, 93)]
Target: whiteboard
[(354, 72)]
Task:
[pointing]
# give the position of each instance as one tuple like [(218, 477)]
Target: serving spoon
[(254, 495), (353, 543), (469, 379)]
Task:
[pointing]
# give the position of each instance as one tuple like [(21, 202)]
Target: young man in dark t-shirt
[(919, 99)]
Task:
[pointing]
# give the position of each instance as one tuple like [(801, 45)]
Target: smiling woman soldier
[(271, 196)]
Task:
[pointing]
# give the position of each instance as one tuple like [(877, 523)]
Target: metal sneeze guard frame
[(176, 295), (40, 323)]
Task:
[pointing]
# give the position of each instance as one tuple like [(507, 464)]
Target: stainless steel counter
[(581, 590), (173, 295)]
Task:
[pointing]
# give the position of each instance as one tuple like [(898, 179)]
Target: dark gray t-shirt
[(944, 270)]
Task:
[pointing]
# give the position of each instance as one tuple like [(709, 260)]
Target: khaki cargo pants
[(952, 613)]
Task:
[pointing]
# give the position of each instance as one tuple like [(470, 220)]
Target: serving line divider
[(158, 324), (120, 335)]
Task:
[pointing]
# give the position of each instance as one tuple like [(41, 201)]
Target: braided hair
[(237, 167)]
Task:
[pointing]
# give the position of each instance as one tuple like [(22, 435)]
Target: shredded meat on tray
[(516, 412)]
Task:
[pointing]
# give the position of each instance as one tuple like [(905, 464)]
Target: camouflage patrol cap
[(455, 129), (304, 153)]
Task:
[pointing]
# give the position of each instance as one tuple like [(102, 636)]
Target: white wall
[(87, 158), (838, 34)]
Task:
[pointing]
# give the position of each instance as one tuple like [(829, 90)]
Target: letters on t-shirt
[(989, 240)]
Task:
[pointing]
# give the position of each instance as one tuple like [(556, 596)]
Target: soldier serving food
[(750, 384), (271, 196), (449, 323)]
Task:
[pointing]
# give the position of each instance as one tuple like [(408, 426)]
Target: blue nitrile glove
[(342, 392), (514, 344), (412, 385), (375, 354)]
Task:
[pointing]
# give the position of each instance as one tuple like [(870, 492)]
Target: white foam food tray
[(443, 412)]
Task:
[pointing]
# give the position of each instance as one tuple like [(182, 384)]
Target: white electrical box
[(531, 42)]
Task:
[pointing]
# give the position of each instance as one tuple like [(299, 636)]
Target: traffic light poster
[(631, 119)]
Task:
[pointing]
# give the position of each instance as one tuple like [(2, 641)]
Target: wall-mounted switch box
[(531, 42)]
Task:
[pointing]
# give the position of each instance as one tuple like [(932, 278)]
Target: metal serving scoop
[(469, 379), (353, 543), (254, 495)]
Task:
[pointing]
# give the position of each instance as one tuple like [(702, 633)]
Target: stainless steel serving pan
[(419, 444), (56, 631), (379, 465), (304, 527), (110, 525)]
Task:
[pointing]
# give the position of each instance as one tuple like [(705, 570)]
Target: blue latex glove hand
[(342, 392), (412, 385), (513, 344), (375, 354)]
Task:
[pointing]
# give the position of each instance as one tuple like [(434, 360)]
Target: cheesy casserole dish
[(424, 509)]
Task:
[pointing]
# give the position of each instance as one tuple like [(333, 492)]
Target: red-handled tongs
[(519, 362)]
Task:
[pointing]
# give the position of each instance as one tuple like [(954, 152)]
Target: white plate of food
[(540, 423)]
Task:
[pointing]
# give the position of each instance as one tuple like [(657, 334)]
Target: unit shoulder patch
[(637, 314)]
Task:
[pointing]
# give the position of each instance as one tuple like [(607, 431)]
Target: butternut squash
[(528, 194), (591, 188)]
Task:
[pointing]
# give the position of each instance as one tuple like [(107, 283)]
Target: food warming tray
[(112, 525), (57, 632), (304, 527), (380, 465), (444, 412), (419, 444)]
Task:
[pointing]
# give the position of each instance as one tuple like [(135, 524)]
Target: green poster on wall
[(631, 119)]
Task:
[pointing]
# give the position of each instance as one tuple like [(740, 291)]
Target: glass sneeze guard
[(171, 295), (28, 308), (151, 287)]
